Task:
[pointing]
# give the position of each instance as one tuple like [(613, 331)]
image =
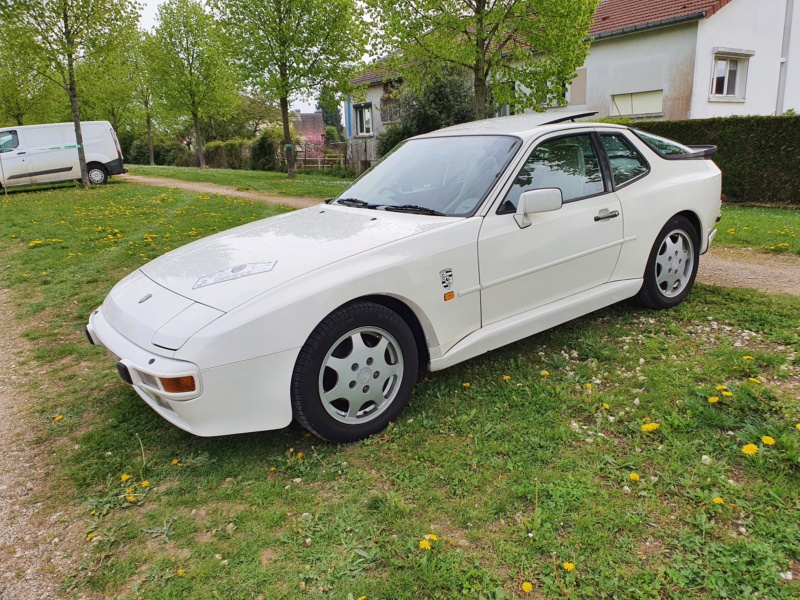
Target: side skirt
[(534, 321)]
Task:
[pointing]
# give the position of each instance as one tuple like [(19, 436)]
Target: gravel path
[(213, 188), (37, 549)]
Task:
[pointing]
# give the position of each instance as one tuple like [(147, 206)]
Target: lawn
[(601, 459), (310, 185), (772, 230)]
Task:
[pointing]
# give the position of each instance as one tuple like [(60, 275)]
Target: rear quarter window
[(663, 146)]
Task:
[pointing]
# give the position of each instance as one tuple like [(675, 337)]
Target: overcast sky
[(148, 21)]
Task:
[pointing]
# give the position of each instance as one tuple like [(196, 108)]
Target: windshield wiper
[(355, 202), (413, 208)]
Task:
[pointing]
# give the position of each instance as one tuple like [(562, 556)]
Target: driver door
[(15, 163), (563, 252)]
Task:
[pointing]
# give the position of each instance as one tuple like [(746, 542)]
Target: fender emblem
[(446, 276), (146, 298)]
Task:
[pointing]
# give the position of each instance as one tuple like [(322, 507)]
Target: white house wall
[(659, 59), (791, 97), (753, 26)]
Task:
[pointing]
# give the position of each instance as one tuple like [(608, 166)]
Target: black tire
[(338, 390), (98, 174), (668, 278)]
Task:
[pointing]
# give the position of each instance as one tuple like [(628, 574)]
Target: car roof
[(523, 125)]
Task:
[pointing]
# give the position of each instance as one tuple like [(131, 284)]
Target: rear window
[(663, 146)]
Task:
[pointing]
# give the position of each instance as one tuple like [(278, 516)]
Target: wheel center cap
[(364, 375)]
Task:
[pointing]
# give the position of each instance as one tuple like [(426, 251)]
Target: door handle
[(603, 216), (21, 153)]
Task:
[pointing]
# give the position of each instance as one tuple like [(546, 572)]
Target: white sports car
[(458, 242)]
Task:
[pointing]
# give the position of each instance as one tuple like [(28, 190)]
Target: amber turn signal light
[(449, 296), (178, 385)]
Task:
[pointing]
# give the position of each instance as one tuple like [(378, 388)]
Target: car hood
[(230, 268)]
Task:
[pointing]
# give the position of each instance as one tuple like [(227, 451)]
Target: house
[(654, 59)]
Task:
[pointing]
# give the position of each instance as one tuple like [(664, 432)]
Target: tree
[(192, 66), (291, 47), (143, 96), (57, 36), (331, 107), (527, 50)]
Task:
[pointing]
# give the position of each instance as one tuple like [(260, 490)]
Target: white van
[(48, 153)]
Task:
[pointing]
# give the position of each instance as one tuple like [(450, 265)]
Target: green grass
[(773, 230), (311, 185), (516, 473)]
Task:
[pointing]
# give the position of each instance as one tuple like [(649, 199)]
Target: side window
[(8, 141), (626, 163), (569, 164)]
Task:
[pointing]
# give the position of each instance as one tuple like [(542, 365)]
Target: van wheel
[(97, 173)]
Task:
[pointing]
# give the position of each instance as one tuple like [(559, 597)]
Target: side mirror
[(537, 201)]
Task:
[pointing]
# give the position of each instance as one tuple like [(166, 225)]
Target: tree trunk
[(480, 91), (198, 146), (150, 139), (287, 138), (72, 92)]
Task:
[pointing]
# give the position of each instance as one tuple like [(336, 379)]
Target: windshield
[(443, 175)]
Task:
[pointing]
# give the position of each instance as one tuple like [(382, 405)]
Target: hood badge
[(235, 273), (146, 298)]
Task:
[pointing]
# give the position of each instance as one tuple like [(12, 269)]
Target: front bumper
[(251, 395)]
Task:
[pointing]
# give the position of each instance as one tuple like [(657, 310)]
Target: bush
[(231, 154), (759, 156), (165, 152), (391, 136), (332, 135), (267, 151)]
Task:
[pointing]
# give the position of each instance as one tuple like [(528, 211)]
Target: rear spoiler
[(702, 151)]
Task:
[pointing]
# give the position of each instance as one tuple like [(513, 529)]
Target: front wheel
[(355, 373), (672, 265)]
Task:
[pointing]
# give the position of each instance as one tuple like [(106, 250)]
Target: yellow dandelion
[(750, 449), (130, 490), (568, 566), (544, 373), (634, 476), (125, 477), (754, 379), (272, 469), (646, 420), (527, 587), (606, 406), (181, 573), (798, 426), (130, 499), (588, 386), (747, 357), (718, 500), (768, 440), (91, 536), (506, 377), (433, 537), (648, 427), (424, 545), (174, 461), (713, 399), (362, 598), (727, 394), (721, 387), (299, 456), (145, 484), (58, 418)]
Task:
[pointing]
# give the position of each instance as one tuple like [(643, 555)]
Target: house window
[(638, 104), (725, 70), (363, 118), (729, 74)]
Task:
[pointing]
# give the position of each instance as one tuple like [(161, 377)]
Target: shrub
[(231, 154), (391, 136), (165, 152), (332, 135), (759, 156), (267, 151)]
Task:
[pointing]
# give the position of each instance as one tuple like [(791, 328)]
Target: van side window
[(8, 141)]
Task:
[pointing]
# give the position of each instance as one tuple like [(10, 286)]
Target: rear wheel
[(355, 373), (98, 174), (672, 265)]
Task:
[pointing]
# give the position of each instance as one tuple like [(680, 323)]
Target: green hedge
[(759, 156), (231, 154)]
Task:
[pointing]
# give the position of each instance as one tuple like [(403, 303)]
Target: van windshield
[(440, 175)]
